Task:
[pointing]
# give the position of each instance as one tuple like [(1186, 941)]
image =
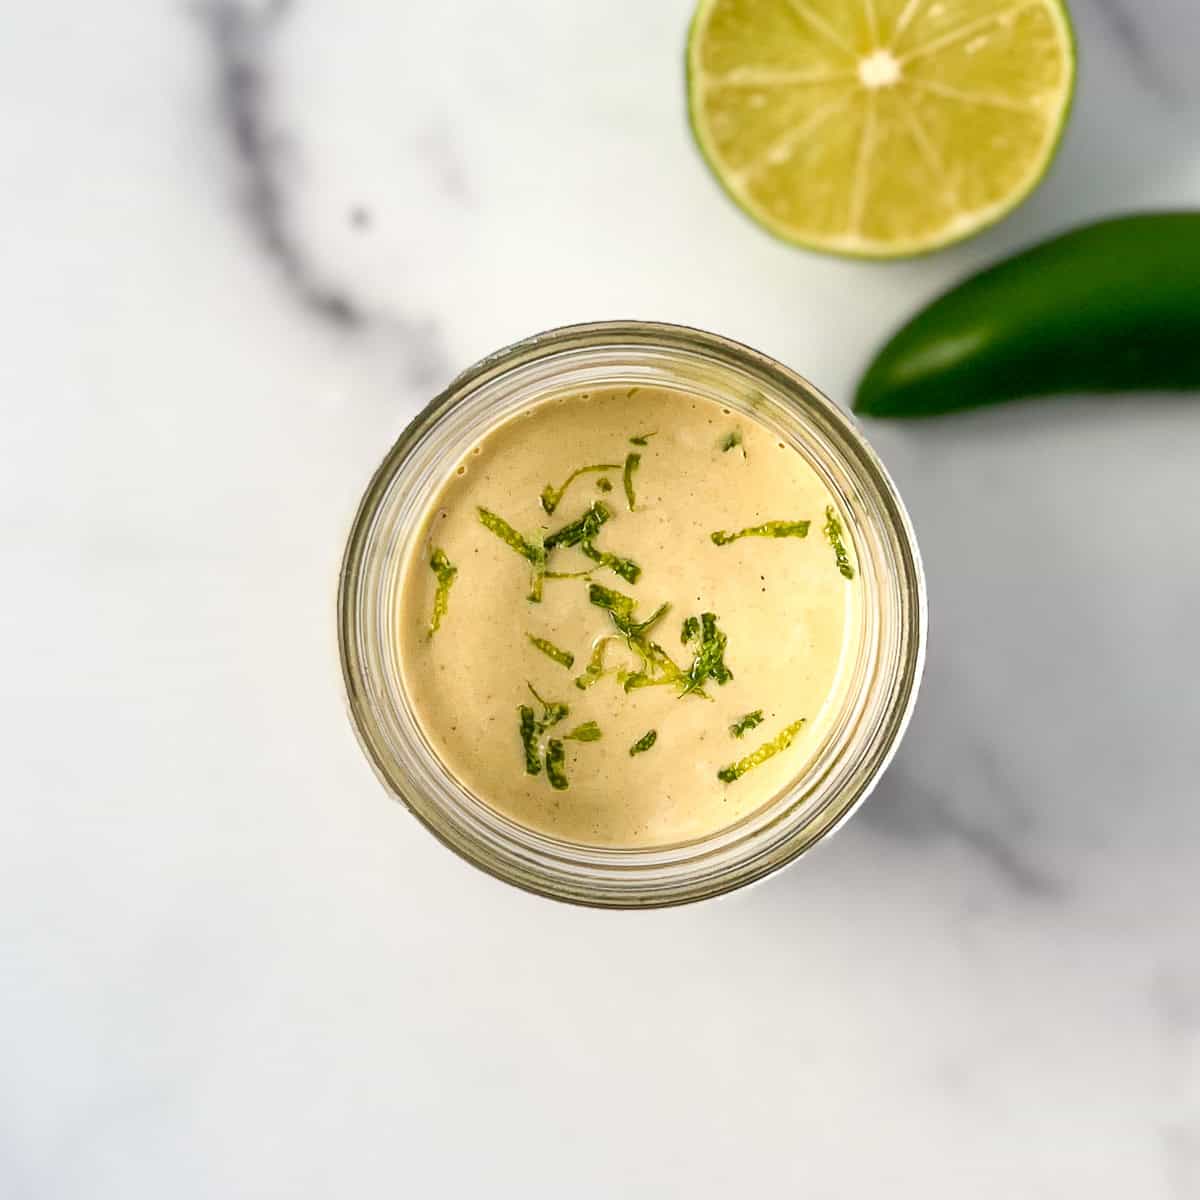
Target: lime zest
[(445, 571), (709, 662), (833, 535), (534, 551), (553, 711), (539, 570), (735, 771), (770, 529), (507, 534), (582, 532), (552, 496), (583, 527), (750, 721), (632, 462), (656, 665), (564, 658), (556, 761), (529, 732), (625, 567), (644, 742), (589, 731), (595, 670)]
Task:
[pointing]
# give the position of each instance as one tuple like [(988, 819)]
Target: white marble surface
[(229, 965)]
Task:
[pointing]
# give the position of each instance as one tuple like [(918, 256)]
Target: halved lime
[(879, 127)]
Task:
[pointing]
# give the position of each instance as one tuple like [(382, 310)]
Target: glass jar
[(885, 675)]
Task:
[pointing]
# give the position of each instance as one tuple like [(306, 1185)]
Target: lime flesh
[(879, 128)]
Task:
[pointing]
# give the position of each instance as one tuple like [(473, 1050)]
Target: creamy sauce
[(792, 620)]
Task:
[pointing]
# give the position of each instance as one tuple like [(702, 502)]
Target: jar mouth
[(886, 673)]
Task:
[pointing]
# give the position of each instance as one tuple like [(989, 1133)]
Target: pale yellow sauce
[(793, 622)]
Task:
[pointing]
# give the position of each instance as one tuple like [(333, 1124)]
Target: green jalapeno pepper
[(1111, 307)]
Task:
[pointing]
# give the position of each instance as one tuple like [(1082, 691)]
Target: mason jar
[(885, 668)]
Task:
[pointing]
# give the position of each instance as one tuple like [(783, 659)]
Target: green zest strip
[(620, 609), (552, 496), (445, 571), (709, 662), (582, 528), (658, 669), (632, 462), (731, 441), (833, 535), (535, 552), (556, 761), (644, 743), (595, 668), (563, 657), (736, 770), (625, 567), (568, 574), (553, 711), (749, 721), (506, 533), (581, 533), (529, 734), (771, 529), (539, 571), (589, 731), (640, 439), (691, 627), (656, 666), (533, 727)]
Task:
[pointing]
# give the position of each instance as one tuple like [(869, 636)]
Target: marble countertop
[(242, 244)]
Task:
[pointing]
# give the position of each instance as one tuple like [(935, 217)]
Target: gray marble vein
[(1128, 33), (904, 808), (240, 36), (1150, 36)]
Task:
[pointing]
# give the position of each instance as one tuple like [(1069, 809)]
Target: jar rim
[(597, 876)]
